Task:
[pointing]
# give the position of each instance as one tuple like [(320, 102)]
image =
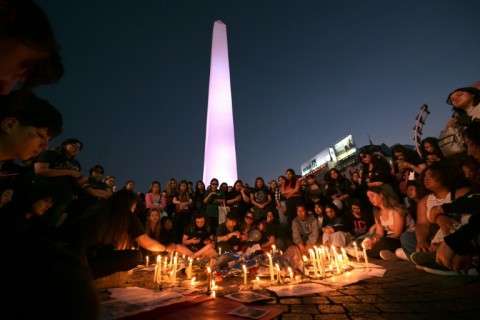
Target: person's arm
[(398, 224), (422, 226), (296, 237), (149, 201), (146, 242), (98, 193), (43, 169), (245, 196), (175, 200), (163, 201), (229, 202)]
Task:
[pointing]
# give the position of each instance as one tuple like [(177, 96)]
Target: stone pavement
[(403, 293)]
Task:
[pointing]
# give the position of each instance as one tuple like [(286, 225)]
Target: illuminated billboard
[(317, 161), (344, 148)]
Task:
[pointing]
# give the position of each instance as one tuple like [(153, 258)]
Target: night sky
[(304, 75)]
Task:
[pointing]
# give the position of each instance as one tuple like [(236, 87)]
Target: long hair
[(148, 223), (293, 182), (154, 183), (389, 200), (115, 226)]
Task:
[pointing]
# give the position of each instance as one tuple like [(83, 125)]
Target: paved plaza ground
[(403, 293)]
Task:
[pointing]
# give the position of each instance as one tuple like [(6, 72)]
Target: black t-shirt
[(200, 233)]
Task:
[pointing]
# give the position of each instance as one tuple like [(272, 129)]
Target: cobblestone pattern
[(403, 293)]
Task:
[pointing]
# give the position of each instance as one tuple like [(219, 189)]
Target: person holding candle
[(304, 230), (106, 232), (391, 220)]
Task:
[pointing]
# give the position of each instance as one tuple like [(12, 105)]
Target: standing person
[(29, 53), (154, 198), (313, 193), (376, 171), (199, 196), (292, 192), (110, 182), (213, 199), (238, 199), (260, 198), (170, 191), (183, 210), (58, 171), (281, 203)]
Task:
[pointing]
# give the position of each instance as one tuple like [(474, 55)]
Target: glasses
[(249, 217)]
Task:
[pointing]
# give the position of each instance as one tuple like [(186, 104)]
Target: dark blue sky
[(304, 74)]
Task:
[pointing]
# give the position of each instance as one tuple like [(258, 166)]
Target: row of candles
[(323, 259), (170, 267)]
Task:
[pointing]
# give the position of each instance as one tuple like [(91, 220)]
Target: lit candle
[(244, 275), (171, 260), (345, 258), (339, 262), (159, 269), (305, 269), (165, 264), (290, 273), (272, 278), (274, 249), (314, 262), (209, 280), (365, 255), (146, 261), (319, 260), (192, 282), (155, 274), (327, 250), (278, 272), (174, 271), (356, 250), (188, 271), (219, 251)]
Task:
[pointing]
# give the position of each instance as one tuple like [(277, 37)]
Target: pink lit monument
[(220, 157)]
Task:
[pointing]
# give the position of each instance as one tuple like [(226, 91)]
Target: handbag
[(222, 213), (451, 141)]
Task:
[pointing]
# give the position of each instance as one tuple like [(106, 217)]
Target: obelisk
[(220, 159)]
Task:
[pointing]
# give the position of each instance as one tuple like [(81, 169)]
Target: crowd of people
[(64, 229)]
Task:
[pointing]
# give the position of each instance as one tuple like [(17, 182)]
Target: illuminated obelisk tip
[(220, 159)]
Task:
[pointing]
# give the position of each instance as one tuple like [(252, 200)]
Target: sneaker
[(435, 268), (400, 253), (388, 255), (422, 258)]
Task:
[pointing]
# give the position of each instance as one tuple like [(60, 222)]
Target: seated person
[(228, 234), (107, 232), (198, 239), (247, 227), (304, 230), (337, 228), (273, 228), (361, 221)]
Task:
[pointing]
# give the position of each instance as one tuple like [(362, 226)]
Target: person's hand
[(367, 243), (422, 246), (451, 122), (447, 257), (171, 247), (447, 224), (195, 240)]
